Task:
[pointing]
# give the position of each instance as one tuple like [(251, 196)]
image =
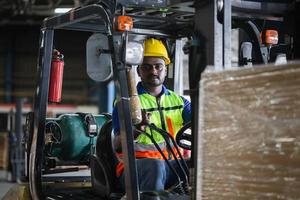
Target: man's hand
[(142, 126), (145, 118)]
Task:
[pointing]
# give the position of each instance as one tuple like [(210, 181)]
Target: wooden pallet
[(3, 150)]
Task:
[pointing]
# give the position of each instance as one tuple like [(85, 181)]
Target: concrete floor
[(5, 185)]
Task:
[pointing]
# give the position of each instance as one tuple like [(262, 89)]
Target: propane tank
[(56, 77)]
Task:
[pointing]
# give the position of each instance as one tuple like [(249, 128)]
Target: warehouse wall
[(18, 64)]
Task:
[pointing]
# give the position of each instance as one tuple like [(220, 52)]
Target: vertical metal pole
[(8, 68), (207, 24), (296, 38), (106, 97), (211, 31), (227, 34), (19, 133), (12, 144), (196, 169), (218, 41), (40, 107), (118, 45), (110, 96), (178, 76), (103, 103)]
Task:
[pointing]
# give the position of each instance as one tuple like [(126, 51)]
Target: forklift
[(64, 144), (117, 27)]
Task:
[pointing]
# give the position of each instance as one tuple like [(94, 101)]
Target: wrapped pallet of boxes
[(251, 133), (3, 150)]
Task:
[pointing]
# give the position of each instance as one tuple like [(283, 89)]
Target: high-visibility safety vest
[(166, 113)]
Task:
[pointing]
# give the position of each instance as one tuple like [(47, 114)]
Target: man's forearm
[(117, 139)]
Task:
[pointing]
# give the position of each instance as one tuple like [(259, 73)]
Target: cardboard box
[(251, 133)]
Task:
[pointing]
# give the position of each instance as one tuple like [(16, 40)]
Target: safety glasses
[(148, 67)]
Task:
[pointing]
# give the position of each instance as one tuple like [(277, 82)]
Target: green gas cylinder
[(68, 139)]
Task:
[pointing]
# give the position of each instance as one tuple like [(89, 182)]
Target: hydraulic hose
[(166, 134), (165, 158)]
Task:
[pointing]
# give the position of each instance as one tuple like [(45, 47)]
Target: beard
[(153, 81)]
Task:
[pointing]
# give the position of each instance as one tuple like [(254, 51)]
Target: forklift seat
[(103, 165)]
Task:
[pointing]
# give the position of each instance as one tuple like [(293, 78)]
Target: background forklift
[(116, 23)]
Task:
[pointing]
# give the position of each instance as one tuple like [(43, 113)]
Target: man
[(165, 109)]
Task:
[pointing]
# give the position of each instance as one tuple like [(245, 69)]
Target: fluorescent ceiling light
[(61, 10)]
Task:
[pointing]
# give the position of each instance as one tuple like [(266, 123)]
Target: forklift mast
[(213, 23)]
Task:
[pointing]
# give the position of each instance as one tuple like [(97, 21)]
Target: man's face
[(152, 71)]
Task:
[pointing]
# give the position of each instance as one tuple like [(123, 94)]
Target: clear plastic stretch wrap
[(251, 133)]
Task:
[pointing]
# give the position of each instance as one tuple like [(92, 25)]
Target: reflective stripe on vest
[(144, 154)]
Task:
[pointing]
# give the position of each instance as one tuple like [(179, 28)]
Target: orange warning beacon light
[(271, 37), (124, 23)]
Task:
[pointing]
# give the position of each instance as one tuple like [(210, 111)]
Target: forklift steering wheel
[(184, 137)]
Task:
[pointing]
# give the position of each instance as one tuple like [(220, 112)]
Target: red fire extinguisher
[(56, 77)]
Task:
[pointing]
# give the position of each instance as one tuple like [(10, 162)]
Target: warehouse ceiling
[(18, 12)]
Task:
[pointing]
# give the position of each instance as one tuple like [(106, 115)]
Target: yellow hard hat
[(156, 48)]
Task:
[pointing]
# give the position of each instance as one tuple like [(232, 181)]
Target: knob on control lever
[(135, 106)]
